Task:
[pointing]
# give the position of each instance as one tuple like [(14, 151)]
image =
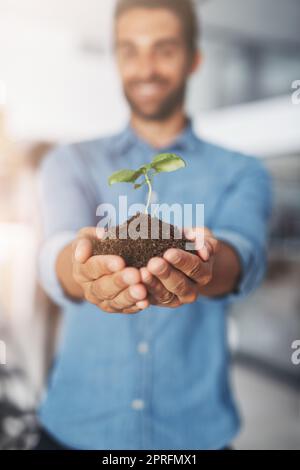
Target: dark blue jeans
[(47, 442)]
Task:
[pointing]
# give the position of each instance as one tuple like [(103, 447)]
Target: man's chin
[(156, 110), (151, 114)]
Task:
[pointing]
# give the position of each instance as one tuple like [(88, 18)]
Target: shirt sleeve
[(242, 222), (66, 205)]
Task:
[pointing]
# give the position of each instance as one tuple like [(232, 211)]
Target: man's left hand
[(176, 279)]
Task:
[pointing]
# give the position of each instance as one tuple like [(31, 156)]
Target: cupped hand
[(176, 279), (105, 279)]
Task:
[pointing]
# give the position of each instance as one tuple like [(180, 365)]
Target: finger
[(109, 286), (88, 294), (210, 248), (105, 306), (132, 310), (143, 304), (197, 237), (128, 297), (91, 232), (189, 264), (158, 293), (205, 243), (82, 246), (173, 280), (97, 266), (82, 250), (192, 232), (213, 244)]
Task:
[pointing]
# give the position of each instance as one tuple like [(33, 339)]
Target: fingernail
[(189, 232), (100, 231), (79, 252), (158, 268), (142, 304), (146, 276), (205, 253), (135, 292), (173, 257)]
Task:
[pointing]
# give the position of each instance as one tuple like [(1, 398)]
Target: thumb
[(83, 250)]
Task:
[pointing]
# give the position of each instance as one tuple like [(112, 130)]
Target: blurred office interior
[(58, 83)]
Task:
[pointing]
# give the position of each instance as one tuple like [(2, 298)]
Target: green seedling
[(162, 163)]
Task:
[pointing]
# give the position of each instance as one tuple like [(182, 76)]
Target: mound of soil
[(133, 241)]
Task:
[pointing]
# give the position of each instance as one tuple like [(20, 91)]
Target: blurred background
[(58, 83)]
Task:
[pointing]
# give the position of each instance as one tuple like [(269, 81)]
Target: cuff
[(252, 259), (47, 265)]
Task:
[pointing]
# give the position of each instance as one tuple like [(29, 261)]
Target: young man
[(157, 379)]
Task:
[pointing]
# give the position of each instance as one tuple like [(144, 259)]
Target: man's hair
[(184, 9)]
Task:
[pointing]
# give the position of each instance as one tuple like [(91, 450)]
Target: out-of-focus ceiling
[(266, 21), (270, 22), (61, 81), (86, 16)]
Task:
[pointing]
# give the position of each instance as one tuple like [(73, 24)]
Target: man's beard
[(164, 109)]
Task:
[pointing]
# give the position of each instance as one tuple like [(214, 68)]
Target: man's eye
[(166, 51), (127, 52)]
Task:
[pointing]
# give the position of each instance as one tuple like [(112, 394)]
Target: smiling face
[(153, 60)]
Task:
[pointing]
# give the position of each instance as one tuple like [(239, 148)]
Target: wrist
[(64, 273)]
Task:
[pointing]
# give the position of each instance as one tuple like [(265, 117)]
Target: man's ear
[(196, 61)]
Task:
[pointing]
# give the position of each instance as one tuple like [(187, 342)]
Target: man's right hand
[(104, 279)]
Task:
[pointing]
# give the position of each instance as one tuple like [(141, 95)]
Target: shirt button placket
[(142, 402), (139, 404)]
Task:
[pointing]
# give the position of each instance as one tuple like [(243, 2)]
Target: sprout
[(165, 162)]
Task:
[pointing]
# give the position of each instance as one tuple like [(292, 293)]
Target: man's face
[(153, 61)]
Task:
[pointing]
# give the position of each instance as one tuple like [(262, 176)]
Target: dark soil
[(138, 248)]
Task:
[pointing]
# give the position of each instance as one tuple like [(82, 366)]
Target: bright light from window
[(2, 93)]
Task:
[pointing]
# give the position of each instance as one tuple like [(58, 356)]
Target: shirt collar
[(185, 141)]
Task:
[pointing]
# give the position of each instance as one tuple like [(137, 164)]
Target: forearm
[(226, 272), (64, 272)]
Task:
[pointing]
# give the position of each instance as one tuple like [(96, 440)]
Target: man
[(158, 379)]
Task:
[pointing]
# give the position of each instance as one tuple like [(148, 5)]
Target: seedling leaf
[(167, 162), (123, 176)]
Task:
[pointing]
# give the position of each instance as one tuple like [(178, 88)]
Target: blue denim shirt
[(158, 379)]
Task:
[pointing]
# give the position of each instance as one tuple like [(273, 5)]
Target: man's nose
[(145, 68)]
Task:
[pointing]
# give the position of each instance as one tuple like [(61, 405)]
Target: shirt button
[(143, 347), (138, 404)]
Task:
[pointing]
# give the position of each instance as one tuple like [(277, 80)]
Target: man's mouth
[(147, 90)]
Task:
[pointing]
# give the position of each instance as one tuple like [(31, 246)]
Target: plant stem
[(149, 193)]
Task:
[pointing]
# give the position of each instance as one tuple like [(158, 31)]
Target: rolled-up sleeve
[(66, 205), (242, 222)]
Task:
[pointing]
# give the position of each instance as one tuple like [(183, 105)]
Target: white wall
[(267, 128), (57, 90)]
